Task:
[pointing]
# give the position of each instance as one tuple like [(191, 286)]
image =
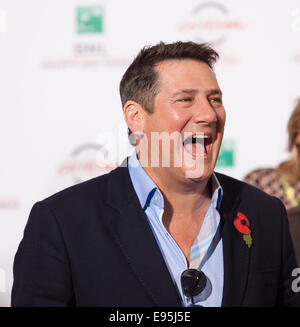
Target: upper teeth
[(200, 137)]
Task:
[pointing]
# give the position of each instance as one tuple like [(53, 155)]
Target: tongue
[(195, 148)]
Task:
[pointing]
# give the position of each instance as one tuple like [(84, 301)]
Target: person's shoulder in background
[(262, 178), (268, 180), (294, 221)]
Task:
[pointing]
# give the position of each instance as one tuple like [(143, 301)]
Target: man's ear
[(134, 116)]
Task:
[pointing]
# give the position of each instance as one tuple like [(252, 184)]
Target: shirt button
[(157, 197)]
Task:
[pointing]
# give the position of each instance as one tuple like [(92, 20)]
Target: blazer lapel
[(136, 241), (235, 251)]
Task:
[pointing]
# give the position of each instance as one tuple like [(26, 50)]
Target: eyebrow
[(214, 91), (190, 91), (194, 91)]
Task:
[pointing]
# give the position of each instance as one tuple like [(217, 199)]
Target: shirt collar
[(142, 183), (145, 188), (217, 191)]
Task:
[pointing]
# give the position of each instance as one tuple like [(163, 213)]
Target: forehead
[(185, 73)]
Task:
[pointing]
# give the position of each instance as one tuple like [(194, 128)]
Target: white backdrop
[(60, 67)]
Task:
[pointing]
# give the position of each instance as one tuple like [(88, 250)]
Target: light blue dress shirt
[(152, 203)]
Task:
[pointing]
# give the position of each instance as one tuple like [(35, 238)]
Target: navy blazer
[(91, 245)]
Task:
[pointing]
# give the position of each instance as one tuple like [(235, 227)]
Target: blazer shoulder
[(84, 189)]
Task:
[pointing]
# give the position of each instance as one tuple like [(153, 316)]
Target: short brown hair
[(140, 81)]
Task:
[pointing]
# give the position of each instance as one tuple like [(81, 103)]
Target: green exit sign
[(227, 154), (89, 19)]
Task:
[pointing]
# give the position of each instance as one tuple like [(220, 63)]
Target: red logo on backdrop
[(87, 161), (210, 22)]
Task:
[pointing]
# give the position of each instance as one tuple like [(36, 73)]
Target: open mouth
[(198, 145)]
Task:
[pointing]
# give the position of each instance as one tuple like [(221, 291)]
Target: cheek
[(170, 120), (221, 116), (176, 120)]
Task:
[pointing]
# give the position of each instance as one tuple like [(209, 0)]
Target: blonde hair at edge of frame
[(289, 170)]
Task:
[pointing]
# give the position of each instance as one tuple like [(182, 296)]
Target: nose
[(204, 112)]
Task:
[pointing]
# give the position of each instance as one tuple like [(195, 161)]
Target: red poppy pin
[(241, 223)]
